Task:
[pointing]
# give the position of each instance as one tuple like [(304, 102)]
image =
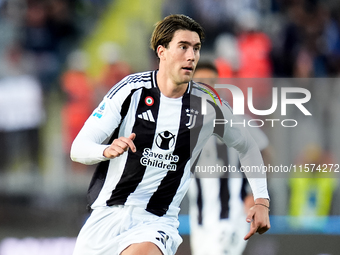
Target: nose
[(191, 54)]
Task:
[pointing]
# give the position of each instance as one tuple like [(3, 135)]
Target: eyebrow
[(186, 42)]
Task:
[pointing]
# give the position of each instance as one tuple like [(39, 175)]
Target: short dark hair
[(206, 65), (165, 29)]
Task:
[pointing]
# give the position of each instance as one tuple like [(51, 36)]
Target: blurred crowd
[(290, 38), (36, 39), (41, 52)]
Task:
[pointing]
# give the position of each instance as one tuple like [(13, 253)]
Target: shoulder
[(201, 89), (209, 94), (139, 77), (132, 83), (197, 88)]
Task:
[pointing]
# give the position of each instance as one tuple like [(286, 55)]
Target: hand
[(119, 146), (258, 217)]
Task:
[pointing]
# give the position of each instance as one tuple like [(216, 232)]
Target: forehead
[(188, 36)]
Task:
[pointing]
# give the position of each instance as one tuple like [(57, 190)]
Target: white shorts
[(110, 230), (223, 237)]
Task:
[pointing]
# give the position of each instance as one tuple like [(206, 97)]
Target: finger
[(121, 142), (263, 229), (253, 228), (132, 136), (128, 142), (251, 232), (120, 145), (113, 151), (118, 149), (250, 215)]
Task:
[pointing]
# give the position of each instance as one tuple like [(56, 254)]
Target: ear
[(161, 51)]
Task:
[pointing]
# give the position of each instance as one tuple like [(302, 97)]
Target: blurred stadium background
[(59, 57)]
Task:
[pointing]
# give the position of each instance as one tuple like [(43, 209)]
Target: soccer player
[(218, 204), (145, 135)]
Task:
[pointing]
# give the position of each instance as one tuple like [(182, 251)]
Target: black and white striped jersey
[(170, 133)]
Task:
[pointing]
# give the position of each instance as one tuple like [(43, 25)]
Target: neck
[(168, 87)]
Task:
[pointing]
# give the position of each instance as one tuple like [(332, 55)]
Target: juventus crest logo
[(192, 114)]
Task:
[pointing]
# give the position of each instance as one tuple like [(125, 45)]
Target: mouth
[(188, 68)]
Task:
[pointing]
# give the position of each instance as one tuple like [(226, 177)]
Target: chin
[(185, 81), (187, 78)]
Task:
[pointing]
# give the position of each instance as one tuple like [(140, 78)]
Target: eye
[(183, 47)]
